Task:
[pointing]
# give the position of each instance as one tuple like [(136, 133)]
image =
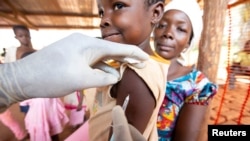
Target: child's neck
[(25, 46)]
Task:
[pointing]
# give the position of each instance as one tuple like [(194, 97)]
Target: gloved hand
[(63, 67)]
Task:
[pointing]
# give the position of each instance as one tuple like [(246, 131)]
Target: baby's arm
[(141, 100)]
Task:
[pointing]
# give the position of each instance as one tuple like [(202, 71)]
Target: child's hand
[(79, 108)]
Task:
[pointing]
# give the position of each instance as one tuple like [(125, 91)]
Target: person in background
[(188, 91), (74, 103), (8, 119), (45, 118), (22, 34)]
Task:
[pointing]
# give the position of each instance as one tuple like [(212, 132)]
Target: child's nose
[(105, 21)]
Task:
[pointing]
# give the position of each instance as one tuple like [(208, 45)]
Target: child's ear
[(158, 10)]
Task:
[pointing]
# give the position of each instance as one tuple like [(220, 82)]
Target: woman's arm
[(141, 100), (191, 121)]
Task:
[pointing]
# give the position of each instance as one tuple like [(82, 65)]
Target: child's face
[(172, 34), (125, 21), (23, 36)]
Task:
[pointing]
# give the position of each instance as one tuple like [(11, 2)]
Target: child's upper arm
[(141, 100)]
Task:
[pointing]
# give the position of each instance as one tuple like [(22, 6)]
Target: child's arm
[(141, 101), (79, 106)]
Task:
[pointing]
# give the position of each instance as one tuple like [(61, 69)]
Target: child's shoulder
[(153, 72), (152, 67)]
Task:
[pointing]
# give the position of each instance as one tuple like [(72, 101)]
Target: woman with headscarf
[(188, 91)]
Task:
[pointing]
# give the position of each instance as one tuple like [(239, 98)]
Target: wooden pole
[(211, 39)]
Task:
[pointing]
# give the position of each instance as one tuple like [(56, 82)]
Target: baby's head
[(178, 30), (129, 21)]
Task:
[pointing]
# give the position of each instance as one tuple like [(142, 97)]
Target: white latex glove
[(122, 131), (62, 68)]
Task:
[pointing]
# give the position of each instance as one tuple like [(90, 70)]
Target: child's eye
[(118, 6)]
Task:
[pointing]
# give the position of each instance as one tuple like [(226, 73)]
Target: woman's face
[(172, 34), (125, 21)]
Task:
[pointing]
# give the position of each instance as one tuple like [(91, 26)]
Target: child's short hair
[(150, 2), (23, 27)]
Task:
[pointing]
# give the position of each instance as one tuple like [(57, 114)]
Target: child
[(188, 91), (131, 22), (45, 119), (8, 119), (22, 34), (74, 103)]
